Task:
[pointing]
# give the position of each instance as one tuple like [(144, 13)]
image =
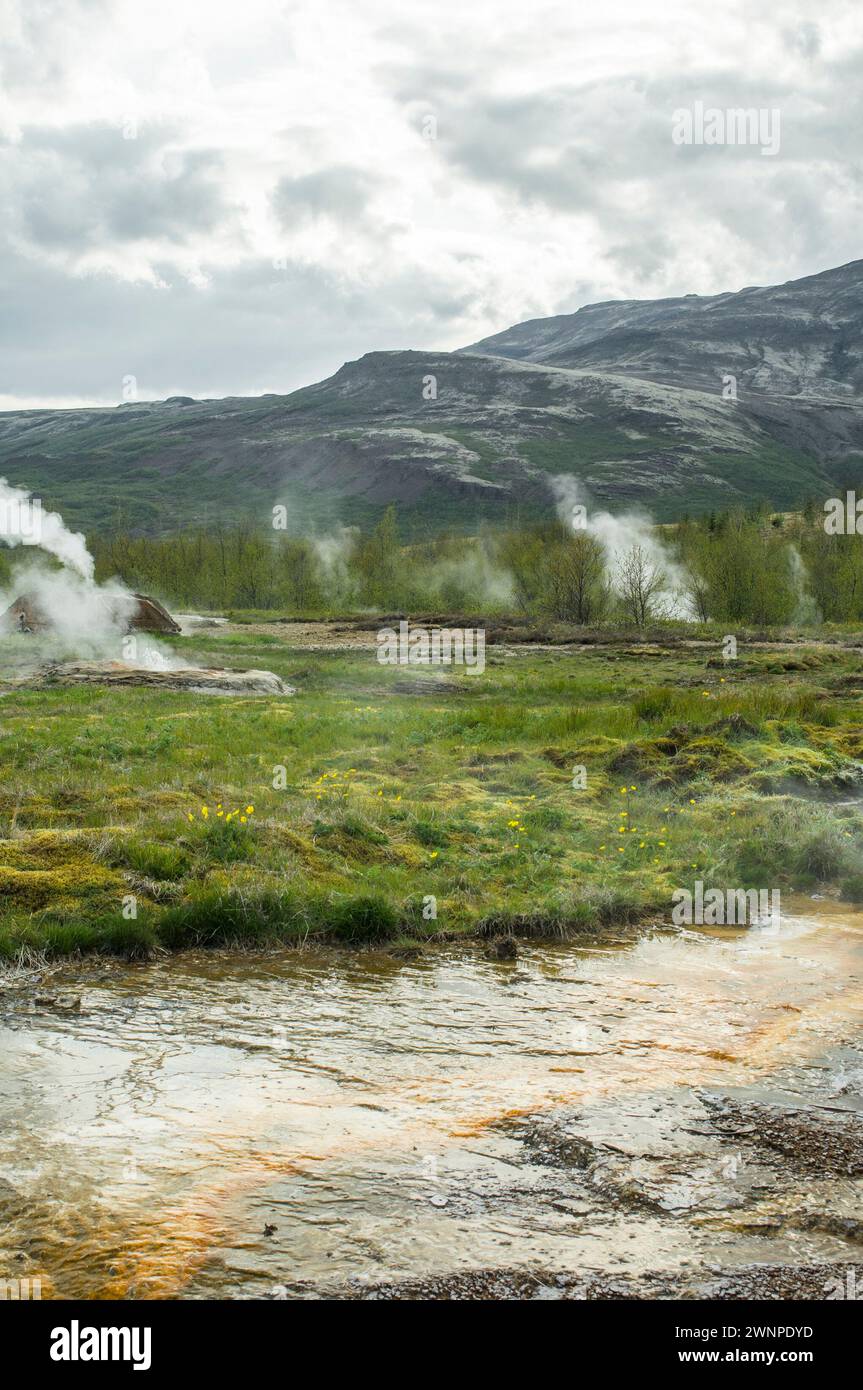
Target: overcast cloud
[(226, 199)]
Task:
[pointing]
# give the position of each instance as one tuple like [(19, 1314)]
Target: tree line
[(746, 567)]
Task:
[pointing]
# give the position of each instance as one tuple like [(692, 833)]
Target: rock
[(502, 948), (8, 1193), (65, 1003), (202, 681)]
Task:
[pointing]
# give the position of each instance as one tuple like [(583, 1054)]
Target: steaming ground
[(87, 620)]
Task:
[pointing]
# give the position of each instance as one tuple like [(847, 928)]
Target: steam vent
[(25, 615)]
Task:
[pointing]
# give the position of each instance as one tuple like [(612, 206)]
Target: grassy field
[(396, 794)]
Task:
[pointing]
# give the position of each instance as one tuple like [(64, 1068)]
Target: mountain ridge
[(654, 338), (630, 402)]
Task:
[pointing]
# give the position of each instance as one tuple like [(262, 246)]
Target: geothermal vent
[(26, 615)]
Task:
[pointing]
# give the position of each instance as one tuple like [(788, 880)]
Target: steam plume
[(84, 619), (617, 535), (22, 522)]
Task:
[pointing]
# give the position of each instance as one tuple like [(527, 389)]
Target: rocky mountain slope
[(627, 397), (802, 338)]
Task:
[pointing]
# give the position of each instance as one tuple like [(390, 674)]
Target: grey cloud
[(253, 329), (87, 188), (583, 148), (805, 38), (43, 40), (340, 192), (517, 157)]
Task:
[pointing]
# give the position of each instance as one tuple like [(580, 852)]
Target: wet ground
[(675, 1116)]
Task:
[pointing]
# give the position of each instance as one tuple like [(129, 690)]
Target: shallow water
[(380, 1113)]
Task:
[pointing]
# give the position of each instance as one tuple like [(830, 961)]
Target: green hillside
[(482, 451)]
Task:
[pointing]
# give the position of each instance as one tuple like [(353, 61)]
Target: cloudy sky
[(224, 198)]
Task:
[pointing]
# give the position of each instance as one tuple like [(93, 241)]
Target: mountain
[(625, 396), (804, 338)]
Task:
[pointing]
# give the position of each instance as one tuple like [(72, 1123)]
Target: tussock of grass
[(363, 919), (851, 888), (596, 910), (154, 860), (213, 918), (430, 833)]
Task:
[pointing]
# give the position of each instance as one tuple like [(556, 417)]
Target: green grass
[(352, 806)]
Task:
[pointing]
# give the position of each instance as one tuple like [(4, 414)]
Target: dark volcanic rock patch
[(748, 1282), (810, 1141)]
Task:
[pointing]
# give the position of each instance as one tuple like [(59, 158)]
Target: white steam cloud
[(333, 553), (65, 613), (84, 619), (475, 577), (617, 535), (806, 609), (23, 522)]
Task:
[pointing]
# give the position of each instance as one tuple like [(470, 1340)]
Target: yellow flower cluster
[(333, 784), (337, 784), (219, 813), (628, 829), (517, 825)]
